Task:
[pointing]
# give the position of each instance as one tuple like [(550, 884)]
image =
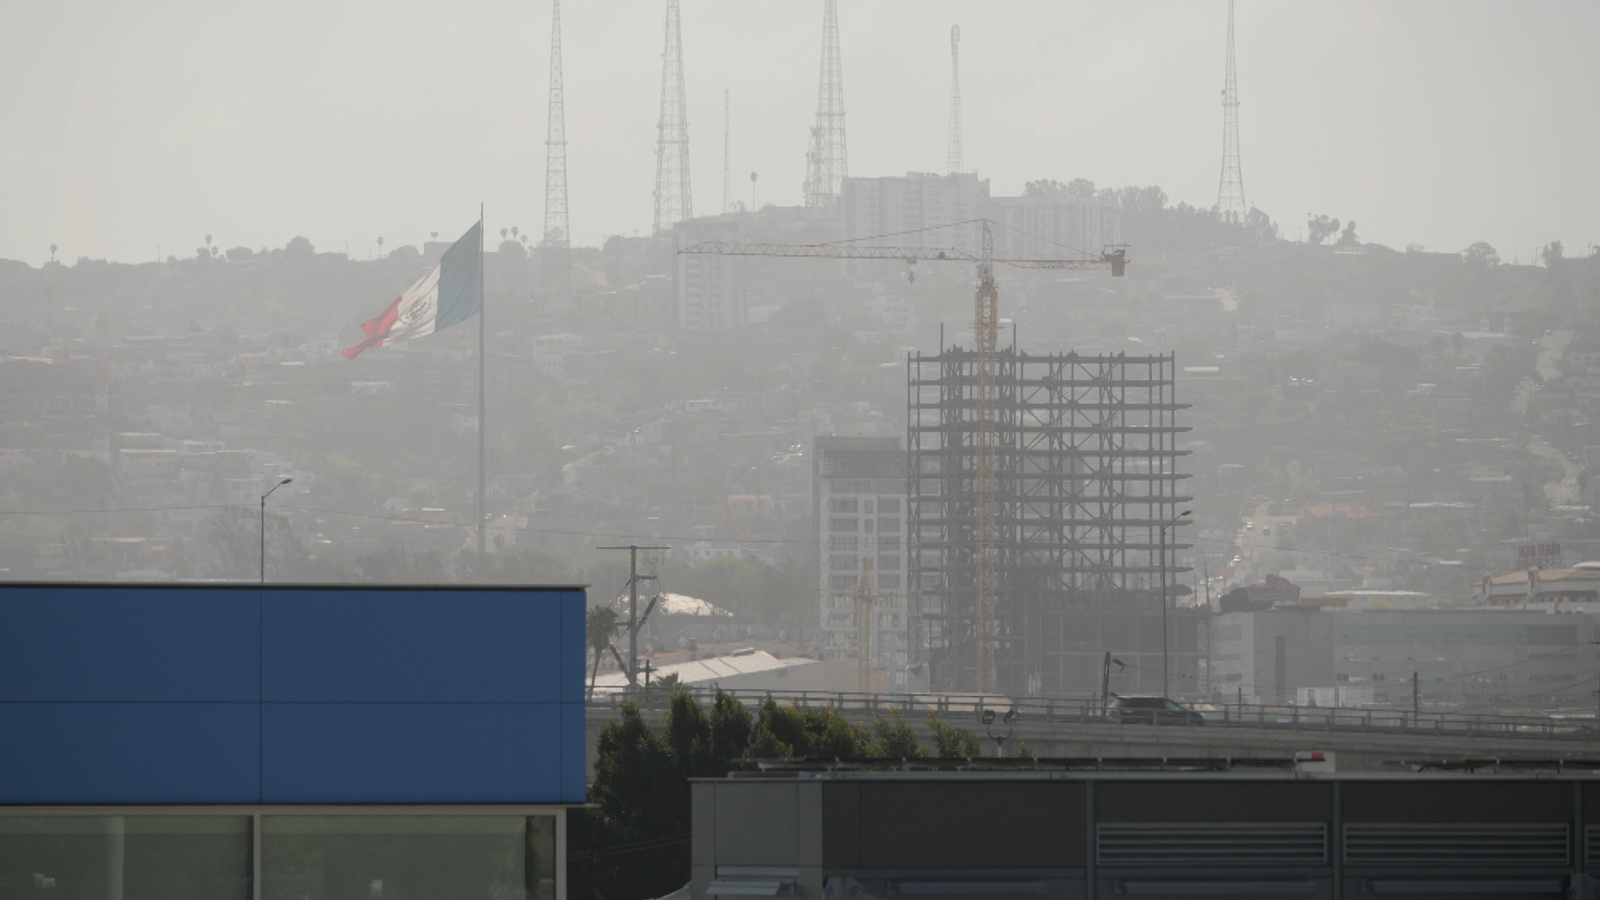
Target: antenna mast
[(673, 200), (727, 170), (955, 155), (1230, 190), (557, 244), (826, 165)]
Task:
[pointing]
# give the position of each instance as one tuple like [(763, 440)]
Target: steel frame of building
[(1086, 476)]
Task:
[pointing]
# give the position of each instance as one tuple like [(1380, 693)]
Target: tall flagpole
[(483, 454)]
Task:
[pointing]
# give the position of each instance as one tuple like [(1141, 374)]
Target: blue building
[(240, 742)]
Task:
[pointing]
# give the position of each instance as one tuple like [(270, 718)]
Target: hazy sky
[(131, 126)]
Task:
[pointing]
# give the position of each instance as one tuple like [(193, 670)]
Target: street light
[(263, 557), (1166, 677), (1010, 720)]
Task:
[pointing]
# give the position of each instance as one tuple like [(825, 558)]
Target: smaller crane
[(865, 599)]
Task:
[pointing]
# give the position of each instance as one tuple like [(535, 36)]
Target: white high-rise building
[(1051, 228), (918, 210), (709, 287), (858, 502)]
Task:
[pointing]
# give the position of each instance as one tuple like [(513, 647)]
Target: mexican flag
[(451, 293)]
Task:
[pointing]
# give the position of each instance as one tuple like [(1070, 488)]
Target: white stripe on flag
[(419, 310)]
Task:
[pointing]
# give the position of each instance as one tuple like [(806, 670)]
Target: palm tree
[(380, 248), (52, 252), (435, 235), (601, 628), (513, 231)]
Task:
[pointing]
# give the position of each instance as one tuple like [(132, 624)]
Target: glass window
[(136, 857), (408, 857)]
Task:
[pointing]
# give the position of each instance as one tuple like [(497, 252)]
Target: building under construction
[(1085, 478)]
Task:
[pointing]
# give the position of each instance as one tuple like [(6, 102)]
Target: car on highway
[(1152, 711)]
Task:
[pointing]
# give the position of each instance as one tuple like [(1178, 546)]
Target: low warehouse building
[(1090, 829)]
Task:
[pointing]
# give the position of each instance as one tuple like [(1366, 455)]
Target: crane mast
[(986, 334)]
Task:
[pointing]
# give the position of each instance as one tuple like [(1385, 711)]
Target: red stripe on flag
[(375, 330)]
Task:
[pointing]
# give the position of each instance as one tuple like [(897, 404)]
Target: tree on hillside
[(1551, 254), (1321, 227), (1348, 238), (299, 248), (1481, 255), (1260, 227)]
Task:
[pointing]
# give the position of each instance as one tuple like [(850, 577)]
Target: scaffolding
[(1085, 478)]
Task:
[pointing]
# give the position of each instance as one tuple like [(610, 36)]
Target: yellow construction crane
[(986, 334)]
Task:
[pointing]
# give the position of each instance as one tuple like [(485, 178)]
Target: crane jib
[(1113, 258)]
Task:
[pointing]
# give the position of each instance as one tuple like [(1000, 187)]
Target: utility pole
[(1416, 694), (1166, 676), (1105, 683), (633, 607)]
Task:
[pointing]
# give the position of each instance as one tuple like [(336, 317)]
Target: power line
[(76, 512), (561, 531), (1555, 690)]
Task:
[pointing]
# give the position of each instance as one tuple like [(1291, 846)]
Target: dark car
[(1152, 711)]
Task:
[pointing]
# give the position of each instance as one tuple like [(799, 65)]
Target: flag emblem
[(449, 294)]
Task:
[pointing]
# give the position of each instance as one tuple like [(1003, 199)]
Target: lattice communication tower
[(954, 154), (826, 165), (674, 202), (1230, 189), (556, 247)]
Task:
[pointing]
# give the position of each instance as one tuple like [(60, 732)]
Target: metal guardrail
[(959, 708)]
